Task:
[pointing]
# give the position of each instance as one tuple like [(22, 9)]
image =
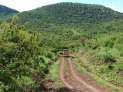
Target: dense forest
[(67, 13), (30, 43)]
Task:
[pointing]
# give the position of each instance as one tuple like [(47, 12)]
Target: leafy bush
[(108, 55), (21, 56)]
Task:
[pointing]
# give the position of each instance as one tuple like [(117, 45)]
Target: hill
[(69, 13), (5, 12)]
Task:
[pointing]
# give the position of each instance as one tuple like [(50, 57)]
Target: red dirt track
[(78, 81)]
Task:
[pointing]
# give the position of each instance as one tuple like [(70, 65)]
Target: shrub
[(108, 55)]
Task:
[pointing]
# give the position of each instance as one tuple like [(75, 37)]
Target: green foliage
[(108, 54), (21, 56), (67, 13)]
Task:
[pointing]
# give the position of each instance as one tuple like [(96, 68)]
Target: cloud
[(112, 6), (23, 5)]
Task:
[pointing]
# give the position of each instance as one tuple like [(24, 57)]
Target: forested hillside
[(6, 12), (68, 13)]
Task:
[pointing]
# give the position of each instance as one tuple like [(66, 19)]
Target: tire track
[(74, 81), (79, 79), (70, 81), (62, 74)]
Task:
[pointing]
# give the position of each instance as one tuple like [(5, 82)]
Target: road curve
[(80, 79), (77, 83)]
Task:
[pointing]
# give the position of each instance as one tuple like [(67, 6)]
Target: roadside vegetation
[(103, 57)]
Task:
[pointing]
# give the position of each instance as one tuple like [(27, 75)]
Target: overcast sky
[(24, 5)]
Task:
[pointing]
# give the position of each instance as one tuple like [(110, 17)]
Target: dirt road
[(78, 81)]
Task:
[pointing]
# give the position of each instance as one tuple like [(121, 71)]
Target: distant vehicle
[(66, 52)]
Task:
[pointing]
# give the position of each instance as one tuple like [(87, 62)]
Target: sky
[(24, 5)]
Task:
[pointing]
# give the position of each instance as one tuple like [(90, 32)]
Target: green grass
[(54, 74), (98, 79), (65, 64), (104, 70)]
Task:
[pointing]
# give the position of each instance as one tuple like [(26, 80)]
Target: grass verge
[(54, 74), (95, 77)]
